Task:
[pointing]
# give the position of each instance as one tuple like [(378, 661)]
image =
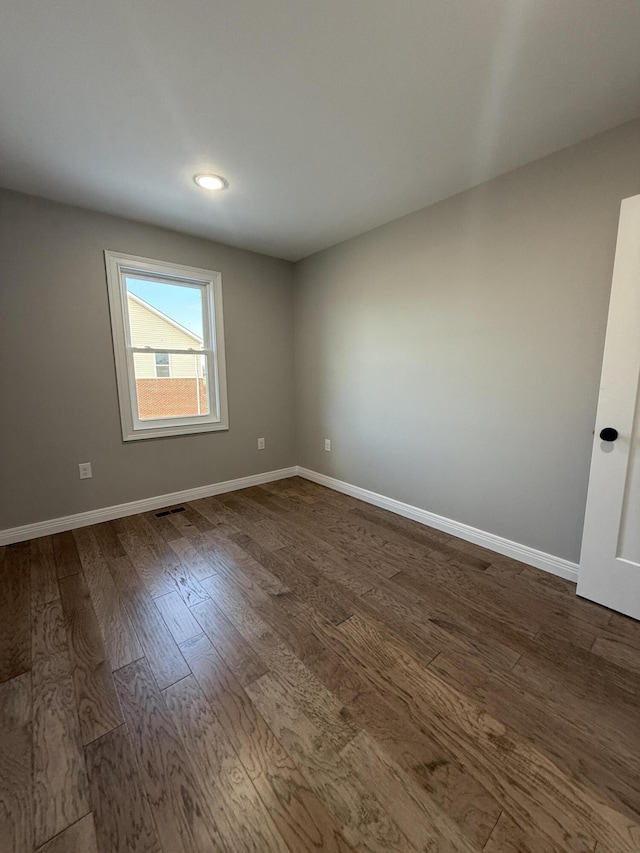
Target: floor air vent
[(170, 511)]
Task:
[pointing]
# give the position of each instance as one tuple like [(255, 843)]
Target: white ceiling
[(327, 117)]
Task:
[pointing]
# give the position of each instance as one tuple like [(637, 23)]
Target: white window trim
[(117, 267)]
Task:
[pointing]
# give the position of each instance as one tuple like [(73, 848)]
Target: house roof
[(167, 319)]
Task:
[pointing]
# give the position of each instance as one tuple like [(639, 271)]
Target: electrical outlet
[(261, 444), (85, 470), (327, 444)]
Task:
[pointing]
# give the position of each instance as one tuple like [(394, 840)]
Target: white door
[(610, 560)]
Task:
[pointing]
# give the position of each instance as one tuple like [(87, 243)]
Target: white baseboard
[(94, 516), (531, 556)]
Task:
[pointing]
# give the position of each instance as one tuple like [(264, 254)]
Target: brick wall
[(159, 398)]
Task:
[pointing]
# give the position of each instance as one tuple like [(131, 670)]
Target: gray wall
[(453, 356), (58, 402)]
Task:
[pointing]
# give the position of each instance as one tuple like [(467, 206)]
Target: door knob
[(609, 434)]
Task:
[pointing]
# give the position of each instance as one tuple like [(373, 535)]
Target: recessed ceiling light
[(210, 182)]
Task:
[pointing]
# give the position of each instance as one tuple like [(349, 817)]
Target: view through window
[(168, 384)]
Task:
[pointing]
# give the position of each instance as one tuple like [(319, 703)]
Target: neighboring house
[(168, 384)]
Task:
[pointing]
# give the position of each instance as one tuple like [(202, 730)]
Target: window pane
[(180, 394), (163, 365), (164, 315)]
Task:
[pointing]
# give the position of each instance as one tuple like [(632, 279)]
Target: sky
[(182, 304)]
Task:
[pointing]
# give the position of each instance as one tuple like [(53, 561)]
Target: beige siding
[(144, 365), (181, 366), (186, 365), (149, 329)]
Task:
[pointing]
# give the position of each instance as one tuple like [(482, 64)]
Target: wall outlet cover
[(85, 471)]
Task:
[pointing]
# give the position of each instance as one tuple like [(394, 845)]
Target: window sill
[(165, 432)]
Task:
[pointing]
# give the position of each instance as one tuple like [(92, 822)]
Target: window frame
[(118, 266), (167, 365)]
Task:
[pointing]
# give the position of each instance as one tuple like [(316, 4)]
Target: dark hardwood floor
[(286, 668)]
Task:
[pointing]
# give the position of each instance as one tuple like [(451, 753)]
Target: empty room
[(319, 426)]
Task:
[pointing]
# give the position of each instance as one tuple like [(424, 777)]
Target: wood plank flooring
[(288, 669)]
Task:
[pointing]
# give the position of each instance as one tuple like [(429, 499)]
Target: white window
[(168, 341), (163, 365)]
